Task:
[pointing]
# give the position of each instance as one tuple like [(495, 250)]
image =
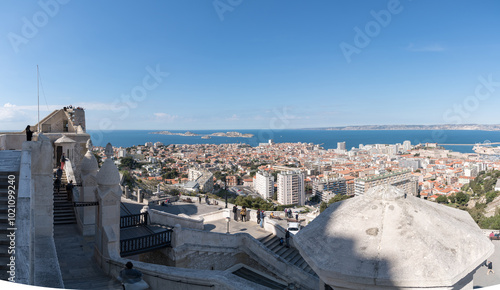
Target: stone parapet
[(168, 219)]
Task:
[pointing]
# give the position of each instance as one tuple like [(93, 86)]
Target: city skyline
[(183, 65)]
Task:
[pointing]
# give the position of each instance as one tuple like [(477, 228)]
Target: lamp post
[(225, 190)]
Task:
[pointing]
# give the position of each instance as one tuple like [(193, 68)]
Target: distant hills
[(416, 127)]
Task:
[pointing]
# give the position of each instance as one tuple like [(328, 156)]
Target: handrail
[(147, 243), (133, 220)]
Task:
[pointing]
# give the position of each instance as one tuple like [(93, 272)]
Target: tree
[(322, 206), (442, 199), (127, 162), (490, 196), (461, 198), (338, 197)]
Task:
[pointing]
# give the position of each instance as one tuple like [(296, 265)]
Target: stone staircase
[(4, 240), (290, 254), (64, 212)]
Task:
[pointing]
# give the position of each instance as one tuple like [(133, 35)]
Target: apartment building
[(326, 188), (291, 189), (401, 179), (264, 184)]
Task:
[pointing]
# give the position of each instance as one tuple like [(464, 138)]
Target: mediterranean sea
[(327, 138)]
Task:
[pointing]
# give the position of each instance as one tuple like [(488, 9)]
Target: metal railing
[(133, 220), (144, 244)]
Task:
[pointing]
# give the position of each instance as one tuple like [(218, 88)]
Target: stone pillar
[(107, 237), (127, 192), (41, 182), (87, 214), (139, 195)]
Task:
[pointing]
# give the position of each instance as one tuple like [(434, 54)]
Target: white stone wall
[(163, 218)]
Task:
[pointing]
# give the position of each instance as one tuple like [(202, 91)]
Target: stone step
[(65, 221), (64, 214), (301, 263), (3, 251), (64, 211), (296, 258), (282, 249), (270, 241), (265, 239), (288, 255)]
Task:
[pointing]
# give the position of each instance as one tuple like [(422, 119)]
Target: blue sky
[(260, 64)]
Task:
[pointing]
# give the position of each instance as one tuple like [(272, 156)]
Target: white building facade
[(264, 184), (291, 189)]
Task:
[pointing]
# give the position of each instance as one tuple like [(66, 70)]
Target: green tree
[(338, 197), (442, 199), (322, 206), (490, 196), (127, 162), (461, 198)]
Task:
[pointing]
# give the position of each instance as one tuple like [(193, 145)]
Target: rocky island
[(232, 134), (187, 133), (217, 134)]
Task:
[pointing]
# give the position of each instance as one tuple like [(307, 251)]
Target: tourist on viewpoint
[(243, 214), (235, 212), (490, 268), (132, 278), (29, 133), (63, 160)]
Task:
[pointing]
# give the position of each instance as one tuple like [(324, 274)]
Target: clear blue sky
[(251, 64)]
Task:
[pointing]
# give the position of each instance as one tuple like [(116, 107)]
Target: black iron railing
[(143, 244), (133, 220)]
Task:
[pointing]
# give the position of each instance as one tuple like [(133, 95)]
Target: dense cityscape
[(304, 175)]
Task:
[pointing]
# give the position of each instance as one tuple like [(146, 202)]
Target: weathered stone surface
[(108, 174), (384, 239)]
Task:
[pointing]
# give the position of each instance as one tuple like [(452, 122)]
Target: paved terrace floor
[(195, 209)]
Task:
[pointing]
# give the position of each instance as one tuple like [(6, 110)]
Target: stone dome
[(388, 240), (108, 174), (89, 163)]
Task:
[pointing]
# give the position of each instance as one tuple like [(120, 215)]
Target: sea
[(328, 139)]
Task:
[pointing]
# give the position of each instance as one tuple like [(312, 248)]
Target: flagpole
[(38, 95)]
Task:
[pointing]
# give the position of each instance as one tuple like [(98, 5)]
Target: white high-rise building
[(406, 145), (264, 184), (341, 145), (291, 189)]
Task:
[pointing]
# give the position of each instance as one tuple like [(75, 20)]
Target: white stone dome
[(89, 163), (384, 239), (108, 174)]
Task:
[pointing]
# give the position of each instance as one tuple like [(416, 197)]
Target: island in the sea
[(187, 133), (480, 127), (217, 134), (232, 134)]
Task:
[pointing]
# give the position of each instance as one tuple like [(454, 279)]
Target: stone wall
[(37, 256), (12, 140), (185, 242), (163, 218)]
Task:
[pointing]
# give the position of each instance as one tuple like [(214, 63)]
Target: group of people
[(243, 213), (289, 214), (57, 180)]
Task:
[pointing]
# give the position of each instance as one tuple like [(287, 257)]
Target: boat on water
[(206, 137)]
